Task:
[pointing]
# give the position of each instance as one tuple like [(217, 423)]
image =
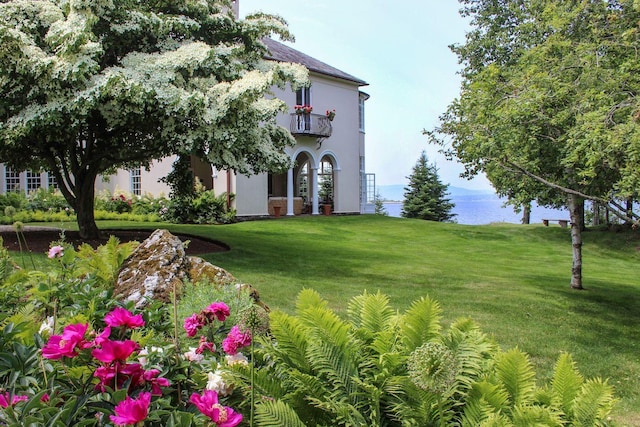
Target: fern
[(420, 323), (593, 403), (496, 420), (515, 372), (566, 382), (370, 313), (484, 399), (276, 414), (309, 298), (105, 261), (536, 416), (473, 351), (291, 339)]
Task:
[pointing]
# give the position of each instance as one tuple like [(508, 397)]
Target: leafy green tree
[(92, 86), (547, 108), (426, 196)]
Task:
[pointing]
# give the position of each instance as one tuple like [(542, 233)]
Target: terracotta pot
[(276, 211), (326, 209)]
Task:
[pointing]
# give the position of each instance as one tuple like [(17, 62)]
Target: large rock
[(159, 266)]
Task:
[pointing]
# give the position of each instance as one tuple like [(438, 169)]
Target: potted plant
[(331, 114), (303, 109)]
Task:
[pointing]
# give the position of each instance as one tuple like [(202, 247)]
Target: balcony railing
[(315, 125)]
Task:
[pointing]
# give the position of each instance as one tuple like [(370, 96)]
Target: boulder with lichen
[(158, 267)]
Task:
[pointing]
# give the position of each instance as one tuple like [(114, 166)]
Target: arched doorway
[(326, 181), (303, 178)]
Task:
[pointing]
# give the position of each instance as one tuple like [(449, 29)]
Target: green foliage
[(105, 261), (46, 200), (196, 296), (426, 196), (204, 207), (378, 367)]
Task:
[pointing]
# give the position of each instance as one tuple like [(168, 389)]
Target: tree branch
[(615, 208)]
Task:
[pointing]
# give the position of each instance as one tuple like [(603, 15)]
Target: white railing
[(310, 124)]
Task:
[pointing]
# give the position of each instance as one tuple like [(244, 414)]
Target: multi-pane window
[(33, 181), (53, 183), (136, 181), (303, 187), (325, 180), (12, 180)]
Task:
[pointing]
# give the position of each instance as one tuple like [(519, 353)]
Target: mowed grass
[(513, 280)]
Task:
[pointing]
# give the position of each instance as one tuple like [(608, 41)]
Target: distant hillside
[(395, 192)]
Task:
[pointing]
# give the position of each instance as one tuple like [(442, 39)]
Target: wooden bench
[(562, 222)]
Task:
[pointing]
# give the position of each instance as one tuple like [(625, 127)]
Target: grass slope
[(512, 279)]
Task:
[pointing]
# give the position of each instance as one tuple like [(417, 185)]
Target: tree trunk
[(596, 213), (576, 211), (629, 209), (526, 214), (85, 201)]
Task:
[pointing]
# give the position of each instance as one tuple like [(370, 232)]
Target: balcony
[(309, 124)]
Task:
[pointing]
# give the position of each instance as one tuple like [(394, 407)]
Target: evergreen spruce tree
[(426, 196)]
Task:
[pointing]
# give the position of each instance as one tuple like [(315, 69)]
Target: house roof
[(283, 53)]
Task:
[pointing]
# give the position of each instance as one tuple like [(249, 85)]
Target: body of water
[(487, 208)]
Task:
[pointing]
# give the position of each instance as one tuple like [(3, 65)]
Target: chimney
[(236, 8)]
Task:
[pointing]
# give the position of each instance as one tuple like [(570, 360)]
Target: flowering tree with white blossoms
[(91, 86)]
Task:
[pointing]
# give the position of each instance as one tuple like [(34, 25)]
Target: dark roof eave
[(282, 53)]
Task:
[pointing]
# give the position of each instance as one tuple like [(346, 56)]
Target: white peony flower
[(216, 383), (46, 328), (192, 356), (238, 358)]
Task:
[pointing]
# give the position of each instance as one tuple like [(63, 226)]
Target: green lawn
[(512, 279)]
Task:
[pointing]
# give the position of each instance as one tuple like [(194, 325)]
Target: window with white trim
[(361, 114), (11, 180), (303, 96), (136, 181), (34, 181)]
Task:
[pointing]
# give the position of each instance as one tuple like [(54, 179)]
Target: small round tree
[(426, 196)]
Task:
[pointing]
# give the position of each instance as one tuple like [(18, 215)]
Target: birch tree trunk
[(576, 211)]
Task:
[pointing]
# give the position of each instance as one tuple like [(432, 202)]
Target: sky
[(401, 49)]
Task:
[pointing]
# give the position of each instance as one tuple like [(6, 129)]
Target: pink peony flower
[(6, 400), (105, 375), (207, 403), (56, 252), (192, 324), (114, 350), (151, 377), (219, 310), (66, 344), (132, 411), (236, 340), (205, 345), (122, 317), (102, 336)]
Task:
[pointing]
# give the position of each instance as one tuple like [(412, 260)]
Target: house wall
[(121, 180), (251, 195)]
